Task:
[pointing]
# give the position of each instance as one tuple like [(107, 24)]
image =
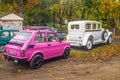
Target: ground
[(62, 69)]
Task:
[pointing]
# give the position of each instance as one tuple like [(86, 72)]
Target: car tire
[(89, 44), (36, 61), (109, 41), (66, 53), (104, 35)]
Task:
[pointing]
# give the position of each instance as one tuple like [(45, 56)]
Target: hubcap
[(67, 53), (89, 44), (110, 40), (37, 61), (105, 36)]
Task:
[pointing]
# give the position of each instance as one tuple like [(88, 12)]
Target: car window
[(4, 34), (22, 36), (88, 26), (74, 26), (40, 38), (93, 26), (52, 37), (99, 26)]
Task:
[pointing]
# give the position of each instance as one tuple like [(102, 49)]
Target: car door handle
[(49, 44)]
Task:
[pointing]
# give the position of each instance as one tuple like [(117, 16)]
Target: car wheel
[(36, 61), (66, 53), (2, 48), (109, 40), (104, 35), (89, 44)]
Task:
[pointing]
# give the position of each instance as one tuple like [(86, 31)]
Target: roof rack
[(40, 28)]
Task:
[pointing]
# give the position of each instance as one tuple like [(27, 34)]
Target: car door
[(41, 44), (96, 31), (55, 47)]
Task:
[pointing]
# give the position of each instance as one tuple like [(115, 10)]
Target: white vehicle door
[(94, 29), (97, 31)]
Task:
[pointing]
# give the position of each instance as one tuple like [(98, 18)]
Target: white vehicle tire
[(89, 44), (109, 41), (104, 35)]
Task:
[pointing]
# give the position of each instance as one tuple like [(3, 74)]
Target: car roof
[(37, 31), (83, 21)]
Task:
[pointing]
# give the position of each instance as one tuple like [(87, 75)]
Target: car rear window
[(74, 26), (22, 36)]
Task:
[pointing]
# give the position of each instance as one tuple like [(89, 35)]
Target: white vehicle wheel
[(89, 45), (104, 35), (109, 40)]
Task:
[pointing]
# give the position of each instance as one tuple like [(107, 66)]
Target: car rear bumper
[(73, 43), (12, 58)]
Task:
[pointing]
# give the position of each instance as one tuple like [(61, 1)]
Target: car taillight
[(22, 53)]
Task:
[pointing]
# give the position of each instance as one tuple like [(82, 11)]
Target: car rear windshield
[(75, 26), (22, 36)]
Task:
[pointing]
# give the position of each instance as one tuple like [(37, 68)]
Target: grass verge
[(102, 52)]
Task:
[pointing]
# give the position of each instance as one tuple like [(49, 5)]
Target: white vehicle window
[(74, 26), (88, 26), (94, 26), (98, 26)]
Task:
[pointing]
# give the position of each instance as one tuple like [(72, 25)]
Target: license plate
[(73, 42), (11, 52)]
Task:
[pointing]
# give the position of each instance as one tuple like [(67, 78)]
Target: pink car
[(35, 46)]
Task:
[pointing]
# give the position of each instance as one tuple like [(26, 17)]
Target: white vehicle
[(87, 33)]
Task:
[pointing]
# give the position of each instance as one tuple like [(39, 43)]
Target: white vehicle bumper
[(73, 43)]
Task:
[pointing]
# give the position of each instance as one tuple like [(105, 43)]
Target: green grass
[(101, 52)]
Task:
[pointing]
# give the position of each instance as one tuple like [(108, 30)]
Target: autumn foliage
[(53, 12)]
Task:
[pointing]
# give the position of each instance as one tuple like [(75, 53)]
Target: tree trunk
[(54, 20), (21, 8), (60, 23), (83, 12)]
